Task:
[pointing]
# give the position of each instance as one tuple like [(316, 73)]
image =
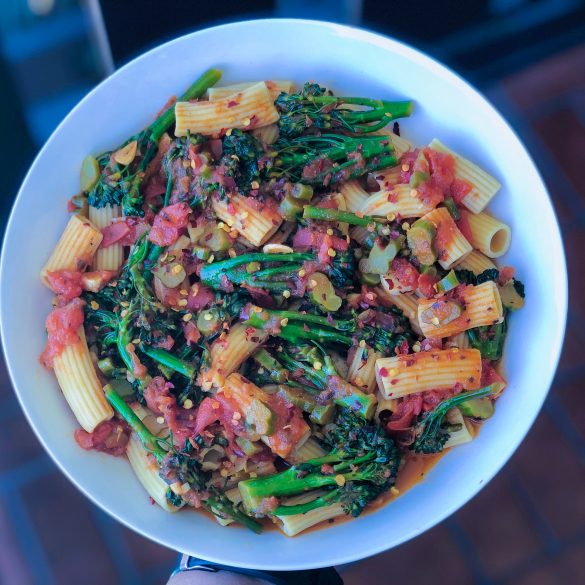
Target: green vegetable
[(240, 156), (213, 275), (171, 274), (327, 214), (90, 173), (326, 378), (420, 241), (322, 293), (319, 413), (489, 339), (381, 256), (169, 360), (481, 408), (313, 107), (447, 283), (364, 463), (290, 208), (250, 448), (186, 469), (328, 159), (302, 192), (511, 299), (452, 208), (422, 173), (430, 435), (274, 370)]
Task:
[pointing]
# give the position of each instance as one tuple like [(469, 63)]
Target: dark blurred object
[(152, 21), (482, 39)]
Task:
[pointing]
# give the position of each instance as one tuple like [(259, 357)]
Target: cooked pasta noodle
[(489, 235), (112, 257)]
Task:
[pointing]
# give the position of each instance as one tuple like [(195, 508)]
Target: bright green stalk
[(169, 360), (196, 90), (323, 214), (211, 274)]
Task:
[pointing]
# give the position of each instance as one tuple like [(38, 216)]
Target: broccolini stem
[(169, 360), (211, 274), (323, 214), (150, 441), (318, 502), (196, 90), (123, 338), (293, 332), (225, 507), (339, 324)]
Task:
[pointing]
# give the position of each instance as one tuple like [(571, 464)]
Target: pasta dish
[(270, 302)]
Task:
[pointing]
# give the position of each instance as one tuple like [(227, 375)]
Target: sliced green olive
[(90, 173), (322, 293), (171, 274), (209, 322), (302, 192), (290, 208), (381, 255), (218, 240), (447, 283), (250, 448), (420, 241), (510, 298)]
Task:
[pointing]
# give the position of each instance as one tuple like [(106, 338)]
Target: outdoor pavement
[(527, 527)]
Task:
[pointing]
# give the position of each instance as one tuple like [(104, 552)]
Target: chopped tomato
[(192, 334), (425, 284), (430, 343), (65, 283), (406, 411), (62, 325), (406, 274), (463, 224), (489, 375), (113, 233), (290, 427), (429, 193), (162, 402), (459, 189), (110, 436), (407, 158), (506, 274), (442, 168), (200, 296), (168, 224), (137, 226), (307, 238)]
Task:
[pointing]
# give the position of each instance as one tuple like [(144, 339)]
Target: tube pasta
[(384, 404), (476, 262), (463, 435), (296, 523), (489, 235), (406, 302), (251, 108), (229, 353), (310, 449), (483, 185), (452, 245), (147, 471), (256, 226), (75, 248), (461, 340), (362, 370), (80, 385), (355, 197), (482, 306), (275, 88), (428, 370), (112, 257), (397, 200)]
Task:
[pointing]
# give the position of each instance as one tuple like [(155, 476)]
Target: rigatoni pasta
[(291, 303), (482, 186), (475, 306), (250, 108), (75, 249), (489, 235), (429, 370)]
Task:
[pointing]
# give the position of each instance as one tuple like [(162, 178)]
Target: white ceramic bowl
[(354, 62)]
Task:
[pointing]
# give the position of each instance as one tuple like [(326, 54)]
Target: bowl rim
[(392, 45)]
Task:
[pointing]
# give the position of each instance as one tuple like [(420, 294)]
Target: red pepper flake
[(383, 372), (254, 120), (394, 381), (232, 103)]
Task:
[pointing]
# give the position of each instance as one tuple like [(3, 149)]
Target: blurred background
[(528, 56)]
